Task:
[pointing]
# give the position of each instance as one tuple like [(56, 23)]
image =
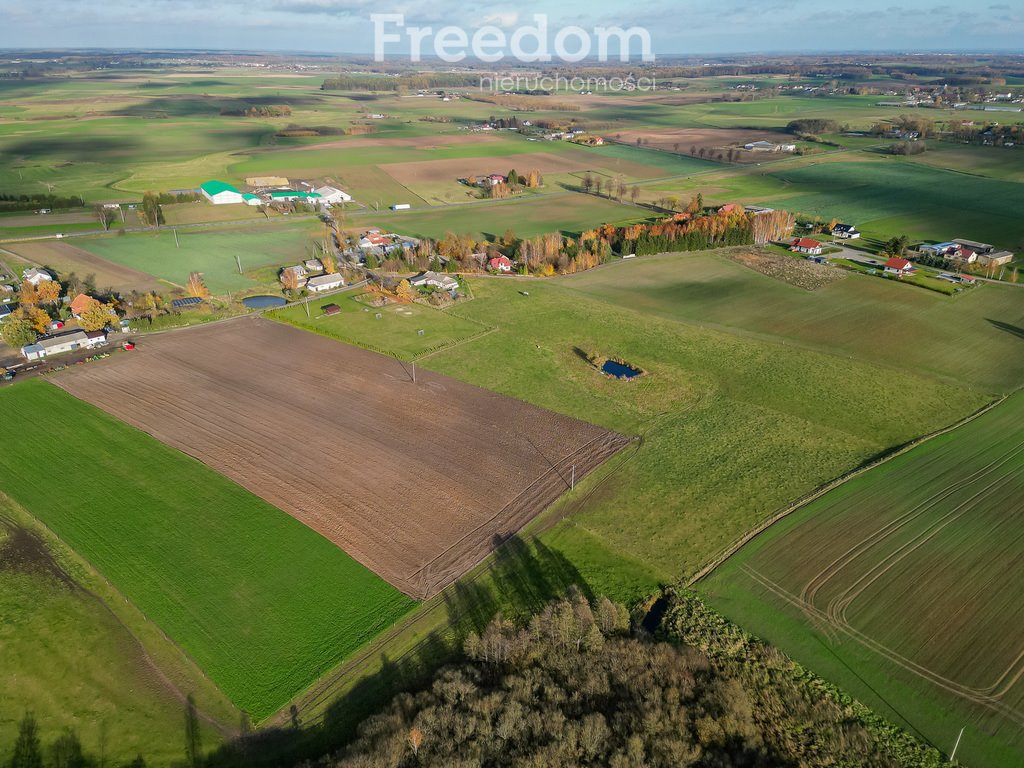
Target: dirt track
[(416, 481)]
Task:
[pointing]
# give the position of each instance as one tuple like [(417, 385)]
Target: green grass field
[(734, 427), (973, 338), (527, 216), (65, 656), (885, 196), (902, 586), (396, 333), (210, 251), (262, 603)]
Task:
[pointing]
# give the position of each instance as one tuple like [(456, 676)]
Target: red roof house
[(500, 264), (898, 266), (81, 303), (806, 245)]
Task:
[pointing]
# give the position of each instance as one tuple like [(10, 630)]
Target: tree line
[(575, 686)]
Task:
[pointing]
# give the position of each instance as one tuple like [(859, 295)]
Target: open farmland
[(210, 252), (462, 467), (65, 258), (904, 586), (396, 332), (260, 602), (973, 338)]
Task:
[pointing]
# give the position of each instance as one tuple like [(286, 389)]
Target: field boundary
[(821, 490)]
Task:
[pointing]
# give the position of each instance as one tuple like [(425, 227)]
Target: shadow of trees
[(521, 578)]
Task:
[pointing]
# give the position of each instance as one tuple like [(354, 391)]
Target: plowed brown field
[(416, 481)]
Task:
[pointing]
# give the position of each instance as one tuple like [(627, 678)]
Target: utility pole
[(305, 303), (175, 231), (956, 746), (238, 261), (572, 481), (413, 371)]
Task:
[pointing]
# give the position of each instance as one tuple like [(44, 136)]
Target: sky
[(684, 27)]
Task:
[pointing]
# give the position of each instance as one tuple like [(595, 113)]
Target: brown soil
[(418, 482), (21, 551)]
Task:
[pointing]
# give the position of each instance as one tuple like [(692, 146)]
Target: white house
[(324, 283), (220, 193), (806, 245), (899, 267), (434, 280), (846, 231), (36, 276), (65, 342), (332, 195)]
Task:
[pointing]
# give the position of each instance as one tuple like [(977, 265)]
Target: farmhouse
[(434, 280), (333, 195), (220, 193), (81, 303), (899, 267), (806, 245), (324, 283), (500, 264), (299, 273), (845, 231), (65, 342), (36, 276), (313, 265)]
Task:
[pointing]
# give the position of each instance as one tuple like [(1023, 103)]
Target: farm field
[(770, 421), (970, 338), (902, 585), (356, 419), (396, 333), (65, 258), (65, 657), (259, 601), (212, 252), (884, 196), (527, 216)]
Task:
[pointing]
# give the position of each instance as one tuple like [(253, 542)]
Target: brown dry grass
[(416, 481)]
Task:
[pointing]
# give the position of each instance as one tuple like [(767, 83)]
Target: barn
[(220, 193)]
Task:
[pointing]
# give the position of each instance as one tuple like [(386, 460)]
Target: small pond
[(263, 302), (618, 370)]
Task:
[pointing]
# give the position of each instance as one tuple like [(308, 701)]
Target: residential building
[(899, 267), (806, 245), (845, 231), (434, 280), (220, 193), (81, 303), (500, 264), (36, 276), (324, 283)]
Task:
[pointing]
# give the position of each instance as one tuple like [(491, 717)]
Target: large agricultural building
[(221, 193)]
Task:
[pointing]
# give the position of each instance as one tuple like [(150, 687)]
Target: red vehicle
[(129, 346)]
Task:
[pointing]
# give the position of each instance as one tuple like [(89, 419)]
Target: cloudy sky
[(679, 27)]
